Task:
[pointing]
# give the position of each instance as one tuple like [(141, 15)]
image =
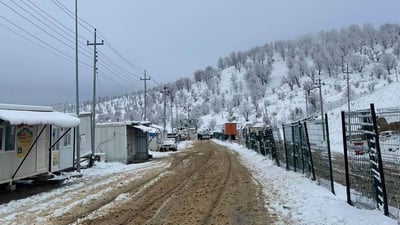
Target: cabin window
[(10, 138), (67, 139), (56, 135), (1, 138)]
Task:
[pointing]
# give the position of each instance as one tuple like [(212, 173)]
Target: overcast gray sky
[(170, 39)]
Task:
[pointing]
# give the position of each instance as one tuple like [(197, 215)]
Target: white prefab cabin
[(63, 148), (125, 142), (25, 137)]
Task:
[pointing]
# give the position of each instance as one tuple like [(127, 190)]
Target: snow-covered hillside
[(277, 83)]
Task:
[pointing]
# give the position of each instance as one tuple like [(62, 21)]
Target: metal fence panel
[(388, 121), (321, 156), (363, 176), (298, 154), (288, 144)]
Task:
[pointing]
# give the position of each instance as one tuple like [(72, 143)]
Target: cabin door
[(55, 151), (41, 150)]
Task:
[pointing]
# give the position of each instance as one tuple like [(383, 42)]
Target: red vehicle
[(358, 147)]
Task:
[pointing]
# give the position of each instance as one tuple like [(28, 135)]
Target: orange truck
[(230, 129)]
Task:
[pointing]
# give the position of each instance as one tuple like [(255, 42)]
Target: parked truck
[(231, 130)]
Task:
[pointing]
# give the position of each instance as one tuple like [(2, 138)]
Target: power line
[(117, 65), (44, 17), (138, 68), (109, 45), (123, 73), (121, 83), (33, 36), (50, 27), (63, 27), (71, 14), (53, 51), (155, 82), (118, 75), (39, 42), (37, 26), (115, 68)]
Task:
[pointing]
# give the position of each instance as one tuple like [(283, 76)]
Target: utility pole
[(320, 97), (77, 135), (91, 161), (145, 93), (321, 104), (348, 99), (306, 94), (165, 93), (172, 115), (348, 87), (176, 115)]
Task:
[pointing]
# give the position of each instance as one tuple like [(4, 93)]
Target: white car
[(389, 134), (169, 145)]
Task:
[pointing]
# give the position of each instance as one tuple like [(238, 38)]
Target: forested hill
[(272, 83)]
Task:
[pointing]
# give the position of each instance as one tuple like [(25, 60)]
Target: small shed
[(257, 127), (125, 142), (25, 137)]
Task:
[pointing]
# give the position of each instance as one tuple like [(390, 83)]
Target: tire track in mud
[(163, 214), (155, 195), (223, 193), (75, 214), (80, 188), (240, 199), (218, 200), (206, 184)]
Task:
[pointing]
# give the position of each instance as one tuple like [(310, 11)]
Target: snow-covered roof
[(258, 125), (85, 114), (26, 107), (156, 126), (144, 128), (122, 123), (16, 117)]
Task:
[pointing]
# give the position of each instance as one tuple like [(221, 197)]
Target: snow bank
[(300, 199)]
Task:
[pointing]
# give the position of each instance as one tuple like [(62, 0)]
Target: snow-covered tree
[(396, 50), (216, 105), (245, 110), (388, 61), (211, 124), (378, 71), (357, 62)]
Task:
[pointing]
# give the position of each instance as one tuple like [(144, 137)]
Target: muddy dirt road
[(203, 185)]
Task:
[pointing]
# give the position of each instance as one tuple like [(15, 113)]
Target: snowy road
[(203, 184)]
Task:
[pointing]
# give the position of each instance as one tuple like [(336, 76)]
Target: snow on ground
[(293, 196), (301, 199)]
